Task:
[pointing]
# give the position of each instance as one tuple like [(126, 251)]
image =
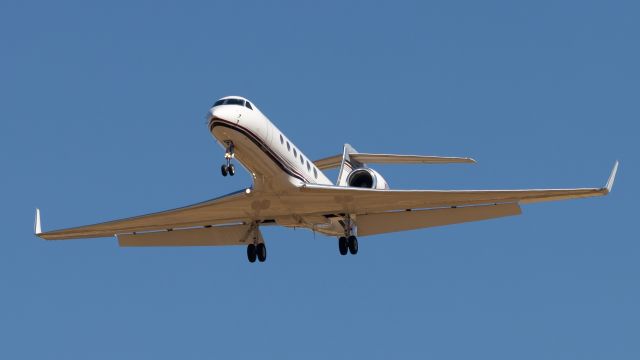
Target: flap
[(381, 223), (209, 236)]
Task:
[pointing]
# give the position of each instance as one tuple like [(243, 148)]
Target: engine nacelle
[(367, 178)]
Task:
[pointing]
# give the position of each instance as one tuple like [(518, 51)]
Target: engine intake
[(366, 178)]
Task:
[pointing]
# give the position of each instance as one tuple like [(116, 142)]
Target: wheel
[(261, 251), (251, 253), (353, 245), (342, 245), (223, 170), (231, 169)]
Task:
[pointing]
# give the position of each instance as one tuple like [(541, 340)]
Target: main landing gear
[(349, 242), (258, 251), (227, 167)]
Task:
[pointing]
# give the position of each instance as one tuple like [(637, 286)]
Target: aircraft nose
[(214, 113), (222, 112), (210, 114)]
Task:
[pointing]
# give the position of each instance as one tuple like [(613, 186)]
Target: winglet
[(37, 228), (612, 178)]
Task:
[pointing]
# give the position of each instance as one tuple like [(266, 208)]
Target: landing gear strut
[(256, 249), (227, 167)]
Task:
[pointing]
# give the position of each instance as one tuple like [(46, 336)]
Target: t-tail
[(347, 165), (353, 169)]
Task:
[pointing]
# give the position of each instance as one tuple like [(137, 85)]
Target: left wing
[(234, 208)]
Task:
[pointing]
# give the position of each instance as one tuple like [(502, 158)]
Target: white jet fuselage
[(290, 190)]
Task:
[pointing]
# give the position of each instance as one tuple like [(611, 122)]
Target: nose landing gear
[(227, 167)]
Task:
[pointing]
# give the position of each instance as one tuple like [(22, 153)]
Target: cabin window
[(301, 159), (295, 153), (308, 166), (288, 146), (315, 173), (281, 139), (248, 104)]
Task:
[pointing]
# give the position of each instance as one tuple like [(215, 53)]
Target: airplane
[(292, 191)]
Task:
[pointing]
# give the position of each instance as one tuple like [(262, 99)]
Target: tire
[(251, 253), (342, 245), (261, 251), (353, 245), (231, 170), (223, 170)]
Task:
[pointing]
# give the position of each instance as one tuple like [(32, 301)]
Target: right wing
[(339, 199), (384, 211)]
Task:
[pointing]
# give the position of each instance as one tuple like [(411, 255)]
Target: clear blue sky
[(103, 117)]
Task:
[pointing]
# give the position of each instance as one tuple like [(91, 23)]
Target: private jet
[(290, 190)]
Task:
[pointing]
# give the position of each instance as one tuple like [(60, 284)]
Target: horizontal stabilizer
[(329, 162), (335, 161), (409, 159)]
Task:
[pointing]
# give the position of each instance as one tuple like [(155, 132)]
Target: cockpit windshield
[(232, 101)]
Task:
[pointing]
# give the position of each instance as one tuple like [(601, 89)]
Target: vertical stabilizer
[(347, 165)]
